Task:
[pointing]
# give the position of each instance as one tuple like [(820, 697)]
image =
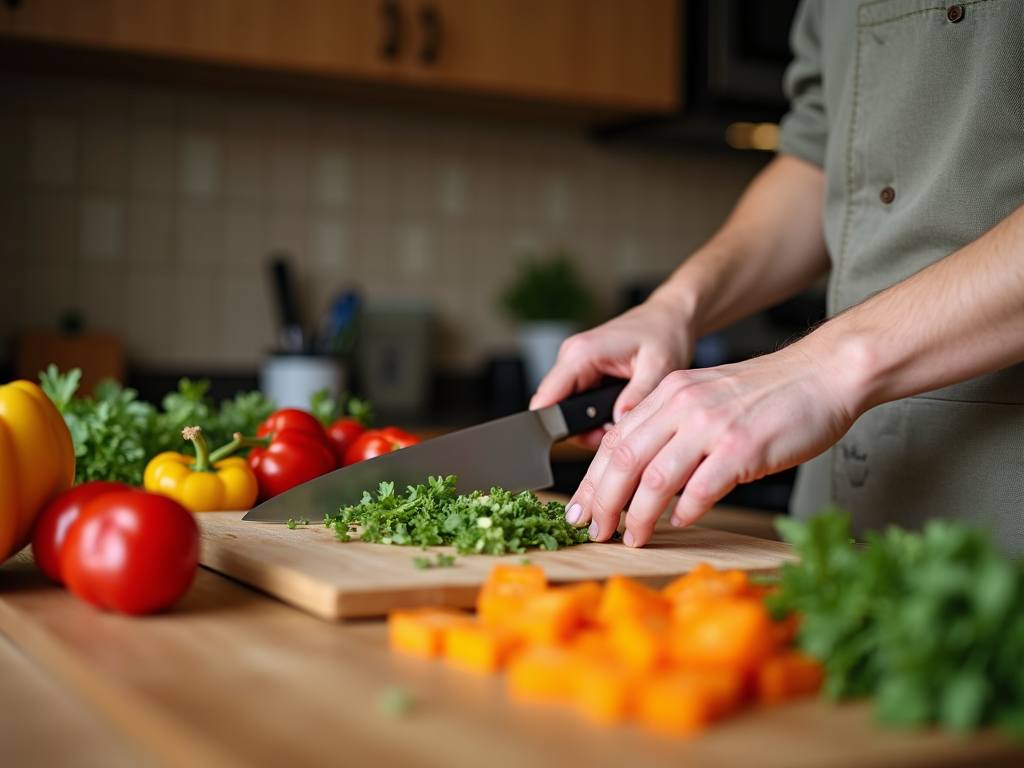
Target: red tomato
[(374, 442), (294, 418), (132, 552), (52, 525), (292, 458), (342, 433)]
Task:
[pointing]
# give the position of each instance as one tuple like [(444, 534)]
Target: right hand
[(643, 345)]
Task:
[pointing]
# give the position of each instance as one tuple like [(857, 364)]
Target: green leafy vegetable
[(433, 514), (115, 434), (328, 410), (442, 561), (931, 624), (293, 524)]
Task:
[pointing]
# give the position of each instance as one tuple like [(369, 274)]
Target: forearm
[(770, 248), (958, 318)]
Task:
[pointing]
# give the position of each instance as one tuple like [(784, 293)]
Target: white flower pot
[(539, 342)]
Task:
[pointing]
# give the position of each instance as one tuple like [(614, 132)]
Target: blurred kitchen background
[(156, 156)]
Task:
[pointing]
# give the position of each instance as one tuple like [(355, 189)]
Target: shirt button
[(955, 13), (887, 195)]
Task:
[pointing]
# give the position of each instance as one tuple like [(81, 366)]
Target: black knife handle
[(591, 409)]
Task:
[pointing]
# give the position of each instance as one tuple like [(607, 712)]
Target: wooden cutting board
[(310, 569)]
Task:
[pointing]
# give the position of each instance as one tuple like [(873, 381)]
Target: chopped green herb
[(433, 514), (524, 561), (395, 702), (443, 561), (420, 563), (293, 524), (931, 623)]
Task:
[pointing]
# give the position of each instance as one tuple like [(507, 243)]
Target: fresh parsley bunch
[(433, 514), (931, 623)]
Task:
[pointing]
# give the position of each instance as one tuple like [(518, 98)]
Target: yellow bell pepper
[(37, 461), (202, 484)]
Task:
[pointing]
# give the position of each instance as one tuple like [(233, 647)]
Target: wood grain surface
[(232, 678), (310, 569)]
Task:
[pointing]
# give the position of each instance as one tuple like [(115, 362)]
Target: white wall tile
[(49, 293), (195, 323), (200, 171), (245, 236), (102, 298), (248, 319), (53, 221), (245, 168), (414, 251), (287, 182), (332, 177), (287, 232), (14, 148), (13, 225), (104, 154), (152, 158), (453, 192), (200, 236), (151, 237), (330, 243), (151, 307), (101, 234), (53, 159)]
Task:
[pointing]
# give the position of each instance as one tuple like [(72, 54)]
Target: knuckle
[(675, 379), (654, 478), (610, 440), (625, 458)]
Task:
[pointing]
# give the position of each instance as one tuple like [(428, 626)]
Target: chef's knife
[(513, 453)]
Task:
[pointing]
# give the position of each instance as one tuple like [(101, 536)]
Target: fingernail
[(592, 530), (573, 514), (627, 538), (675, 522)]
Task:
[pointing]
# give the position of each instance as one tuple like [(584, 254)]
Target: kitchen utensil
[(292, 336), (513, 452), (309, 568)]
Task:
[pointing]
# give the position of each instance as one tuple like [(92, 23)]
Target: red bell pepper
[(291, 448)]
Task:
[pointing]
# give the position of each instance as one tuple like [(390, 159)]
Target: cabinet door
[(615, 53), (323, 36)]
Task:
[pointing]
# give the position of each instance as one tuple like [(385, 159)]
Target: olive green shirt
[(915, 111)]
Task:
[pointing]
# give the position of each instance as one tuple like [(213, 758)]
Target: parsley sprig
[(433, 514), (930, 623)]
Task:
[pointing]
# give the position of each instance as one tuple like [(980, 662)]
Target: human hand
[(643, 345), (705, 431)]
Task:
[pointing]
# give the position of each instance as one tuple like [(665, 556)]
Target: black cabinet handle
[(430, 21), (392, 17)]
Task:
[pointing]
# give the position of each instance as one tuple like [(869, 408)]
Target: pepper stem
[(195, 434), (239, 442)]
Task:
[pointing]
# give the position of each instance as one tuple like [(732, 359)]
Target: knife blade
[(513, 453)]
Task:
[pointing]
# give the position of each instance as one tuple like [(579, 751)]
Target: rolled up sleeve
[(804, 129)]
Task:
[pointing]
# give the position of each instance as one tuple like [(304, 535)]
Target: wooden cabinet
[(617, 54)]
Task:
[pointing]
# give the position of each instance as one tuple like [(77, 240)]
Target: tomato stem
[(238, 444)]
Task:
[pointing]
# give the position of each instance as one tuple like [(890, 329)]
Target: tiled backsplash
[(154, 211)]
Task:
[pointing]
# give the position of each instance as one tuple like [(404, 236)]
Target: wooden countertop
[(230, 677)]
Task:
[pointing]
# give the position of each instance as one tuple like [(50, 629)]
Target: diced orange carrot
[(473, 647), (500, 601), (704, 583), (420, 631), (640, 642), (686, 701), (593, 643), (625, 597), (730, 633), (788, 675), (603, 692), (542, 674), (556, 614)]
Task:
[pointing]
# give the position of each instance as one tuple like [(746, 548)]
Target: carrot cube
[(625, 597), (500, 602), (542, 674), (730, 633), (788, 675), (473, 647), (420, 631), (705, 583), (640, 642), (556, 614), (603, 692), (684, 702)]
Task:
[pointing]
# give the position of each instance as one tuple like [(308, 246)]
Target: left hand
[(705, 431)]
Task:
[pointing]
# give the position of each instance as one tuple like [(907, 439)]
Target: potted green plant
[(550, 300)]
